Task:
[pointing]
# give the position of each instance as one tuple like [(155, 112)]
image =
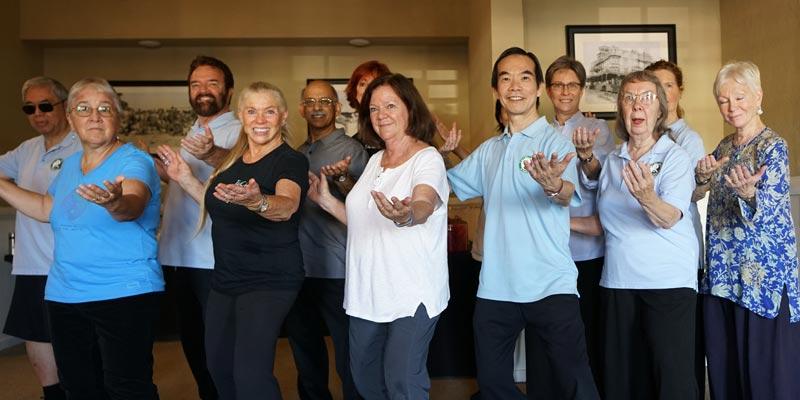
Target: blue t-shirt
[(526, 253), (97, 257)]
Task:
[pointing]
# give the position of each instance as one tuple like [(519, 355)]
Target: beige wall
[(698, 44), (22, 61), (772, 41), (439, 71), (242, 19)]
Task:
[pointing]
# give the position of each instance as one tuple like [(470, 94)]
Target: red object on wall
[(457, 236)]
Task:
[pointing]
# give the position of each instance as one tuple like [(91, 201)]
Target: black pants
[(700, 345), (541, 383), (241, 335), (187, 288), (121, 331), (556, 321), (319, 305), (649, 351)]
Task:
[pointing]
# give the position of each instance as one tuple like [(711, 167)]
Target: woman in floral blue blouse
[(752, 334)]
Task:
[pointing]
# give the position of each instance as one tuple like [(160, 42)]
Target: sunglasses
[(44, 107)]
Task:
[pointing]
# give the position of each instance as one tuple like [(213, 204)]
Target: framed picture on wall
[(348, 117), (154, 112), (609, 52)]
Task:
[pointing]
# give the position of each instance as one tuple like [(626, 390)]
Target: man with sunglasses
[(33, 165), (322, 240), (186, 254)]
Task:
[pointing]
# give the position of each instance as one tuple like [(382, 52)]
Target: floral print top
[(751, 247)]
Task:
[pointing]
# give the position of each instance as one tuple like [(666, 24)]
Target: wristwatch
[(341, 178)]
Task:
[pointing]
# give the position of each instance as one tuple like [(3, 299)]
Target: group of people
[(595, 250)]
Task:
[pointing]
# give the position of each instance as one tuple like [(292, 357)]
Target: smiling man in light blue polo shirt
[(527, 177)]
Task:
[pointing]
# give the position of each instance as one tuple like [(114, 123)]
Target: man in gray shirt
[(323, 240)]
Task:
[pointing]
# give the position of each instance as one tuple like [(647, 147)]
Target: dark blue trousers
[(751, 357)]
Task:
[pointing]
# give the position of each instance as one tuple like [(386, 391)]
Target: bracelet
[(408, 222), (587, 159), (554, 194)]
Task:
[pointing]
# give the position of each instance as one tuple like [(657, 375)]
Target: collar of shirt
[(574, 120), (67, 141), (678, 126), (221, 120), (662, 145), (529, 131)]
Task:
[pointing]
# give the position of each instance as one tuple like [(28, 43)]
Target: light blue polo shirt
[(587, 247), (526, 253), (640, 255), (96, 257), (34, 168)]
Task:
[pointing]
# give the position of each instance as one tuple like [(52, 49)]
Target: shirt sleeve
[(9, 163), (295, 169), (140, 166), (429, 170), (677, 181), (466, 178), (358, 160), (773, 187), (604, 144), (695, 147)]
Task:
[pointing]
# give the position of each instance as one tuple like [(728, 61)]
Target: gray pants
[(389, 360)]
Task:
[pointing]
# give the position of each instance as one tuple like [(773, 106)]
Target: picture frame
[(348, 117), (154, 112), (609, 52)]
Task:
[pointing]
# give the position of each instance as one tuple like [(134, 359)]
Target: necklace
[(743, 145)]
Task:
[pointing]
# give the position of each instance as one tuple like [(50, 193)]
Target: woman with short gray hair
[(753, 307)]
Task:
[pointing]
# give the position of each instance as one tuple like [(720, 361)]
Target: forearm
[(460, 152), (127, 208), (193, 187), (280, 208), (215, 156), (591, 169), (586, 225), (335, 207), (700, 191), (32, 204), (420, 211), (660, 213), (346, 185)]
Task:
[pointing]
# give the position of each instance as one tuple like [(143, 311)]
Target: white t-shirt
[(391, 270)]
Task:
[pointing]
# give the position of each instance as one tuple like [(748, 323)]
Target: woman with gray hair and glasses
[(103, 289), (752, 308), (649, 278)]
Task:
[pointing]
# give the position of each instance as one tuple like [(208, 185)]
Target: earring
[(760, 110)]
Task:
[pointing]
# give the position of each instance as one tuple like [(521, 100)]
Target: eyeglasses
[(323, 101), (85, 110), (644, 98), (571, 87), (44, 107)]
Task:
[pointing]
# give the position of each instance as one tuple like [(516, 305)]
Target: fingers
[(583, 139), (393, 209), (340, 167)]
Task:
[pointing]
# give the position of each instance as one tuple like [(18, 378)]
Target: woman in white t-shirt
[(396, 282)]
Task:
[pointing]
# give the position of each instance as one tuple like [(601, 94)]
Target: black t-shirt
[(252, 252)]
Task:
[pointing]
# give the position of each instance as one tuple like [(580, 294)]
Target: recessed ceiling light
[(150, 44), (360, 42)]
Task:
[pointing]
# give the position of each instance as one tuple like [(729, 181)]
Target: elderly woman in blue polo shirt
[(103, 289), (649, 277)]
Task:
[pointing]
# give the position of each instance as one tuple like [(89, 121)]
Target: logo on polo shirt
[(655, 168), (523, 161), (56, 164)]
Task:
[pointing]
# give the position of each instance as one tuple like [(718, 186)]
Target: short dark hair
[(565, 62), (676, 71), (498, 116), (202, 60), (663, 108), (420, 120), (372, 67), (511, 51)]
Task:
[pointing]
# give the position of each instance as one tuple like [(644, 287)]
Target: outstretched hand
[(639, 180), (584, 139), (706, 167), (318, 190), (338, 168), (547, 172), (199, 145), (451, 137), (742, 181), (395, 209), (103, 197), (247, 194)]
